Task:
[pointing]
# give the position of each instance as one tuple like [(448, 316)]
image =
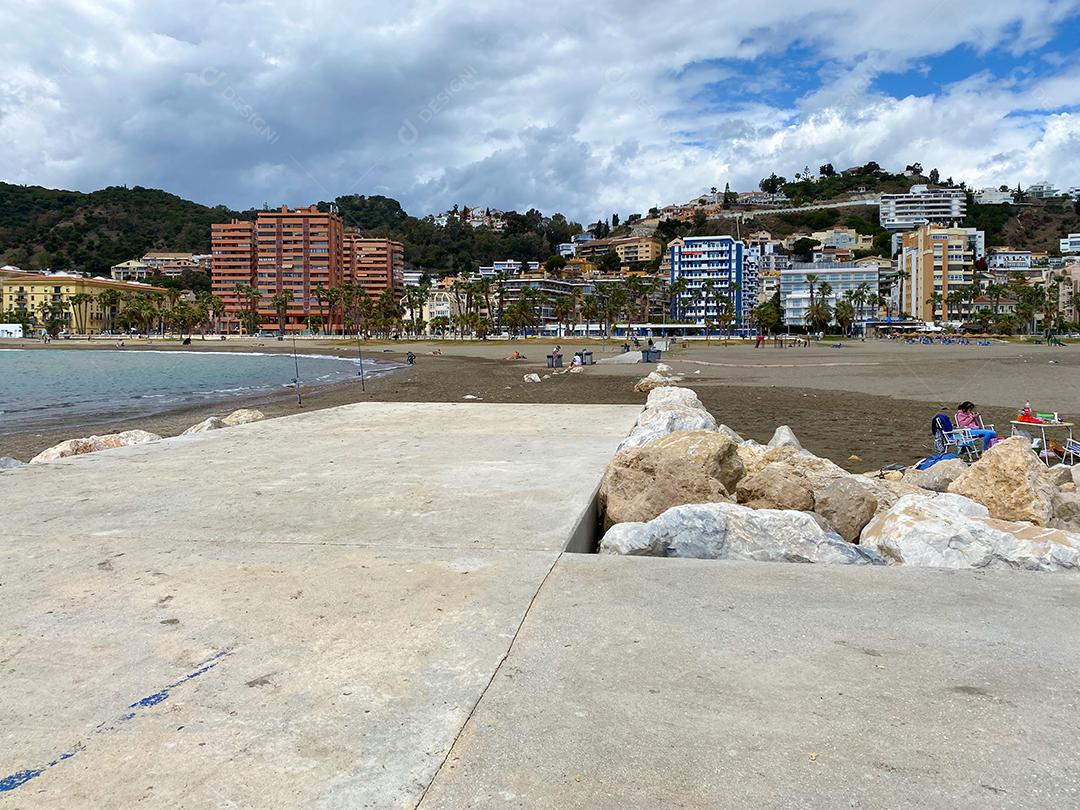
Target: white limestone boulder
[(784, 436), (92, 444), (951, 531), (668, 410), (727, 531), (9, 463), (531, 378)]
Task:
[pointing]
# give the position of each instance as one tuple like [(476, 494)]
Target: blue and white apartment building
[(721, 260)]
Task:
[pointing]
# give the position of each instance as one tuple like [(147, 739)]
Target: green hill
[(69, 230)]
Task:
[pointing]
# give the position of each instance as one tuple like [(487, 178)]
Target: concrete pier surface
[(293, 613), (639, 682), (370, 607)]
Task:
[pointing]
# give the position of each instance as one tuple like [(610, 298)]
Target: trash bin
[(650, 355), (554, 362), (586, 357), (625, 348)]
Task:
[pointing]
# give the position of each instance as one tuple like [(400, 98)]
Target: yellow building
[(29, 293), (933, 262)]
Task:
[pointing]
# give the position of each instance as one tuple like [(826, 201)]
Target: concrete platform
[(680, 683), (300, 612)]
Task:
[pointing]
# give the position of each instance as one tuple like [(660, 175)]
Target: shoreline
[(874, 401)]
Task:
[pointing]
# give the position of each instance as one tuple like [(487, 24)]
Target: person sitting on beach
[(969, 419), (576, 361)]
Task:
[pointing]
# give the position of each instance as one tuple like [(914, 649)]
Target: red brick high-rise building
[(232, 262), (374, 264), (291, 251), (297, 252)]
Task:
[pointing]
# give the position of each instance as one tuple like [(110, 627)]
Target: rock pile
[(662, 376), (683, 486)]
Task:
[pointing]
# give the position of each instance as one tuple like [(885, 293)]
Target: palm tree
[(845, 314), (109, 300), (280, 302), (935, 303), (590, 311), (563, 310), (320, 298), (675, 291), (79, 302), (708, 295)]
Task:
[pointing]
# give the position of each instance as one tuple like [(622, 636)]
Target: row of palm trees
[(345, 308), (144, 311), (484, 305)]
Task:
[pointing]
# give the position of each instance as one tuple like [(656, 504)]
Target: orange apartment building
[(375, 265), (284, 250), (298, 251), (232, 262)]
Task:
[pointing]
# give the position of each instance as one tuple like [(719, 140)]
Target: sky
[(588, 109)]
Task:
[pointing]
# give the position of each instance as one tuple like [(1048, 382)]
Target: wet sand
[(874, 399)]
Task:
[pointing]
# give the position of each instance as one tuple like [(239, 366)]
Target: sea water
[(40, 388)]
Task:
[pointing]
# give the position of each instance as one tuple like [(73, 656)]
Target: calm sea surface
[(42, 388)]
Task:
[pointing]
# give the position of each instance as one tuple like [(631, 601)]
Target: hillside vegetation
[(69, 230)]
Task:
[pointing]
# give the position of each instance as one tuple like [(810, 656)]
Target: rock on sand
[(91, 444)]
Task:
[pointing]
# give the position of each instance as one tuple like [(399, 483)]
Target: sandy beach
[(873, 400)]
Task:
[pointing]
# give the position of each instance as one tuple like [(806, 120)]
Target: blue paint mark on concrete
[(22, 777), (17, 778)]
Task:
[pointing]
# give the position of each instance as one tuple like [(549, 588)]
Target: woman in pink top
[(968, 418)]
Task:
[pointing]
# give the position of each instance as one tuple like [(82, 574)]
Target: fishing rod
[(360, 354), (296, 379)]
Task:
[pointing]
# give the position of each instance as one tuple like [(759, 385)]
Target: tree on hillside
[(803, 248), (934, 176), (827, 170), (772, 184)]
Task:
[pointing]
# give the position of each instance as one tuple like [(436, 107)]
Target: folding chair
[(961, 442), (1072, 451)]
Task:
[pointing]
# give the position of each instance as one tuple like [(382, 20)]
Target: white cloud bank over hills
[(585, 109)]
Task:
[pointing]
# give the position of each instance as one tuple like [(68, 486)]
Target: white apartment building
[(567, 250), (1071, 243), (510, 267), (901, 212), (993, 196), (795, 283), (1008, 260), (1042, 190)]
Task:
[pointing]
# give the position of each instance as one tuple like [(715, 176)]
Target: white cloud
[(586, 109)]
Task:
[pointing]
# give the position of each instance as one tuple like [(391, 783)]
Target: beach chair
[(1072, 452), (965, 445)]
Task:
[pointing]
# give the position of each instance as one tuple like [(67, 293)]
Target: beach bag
[(940, 425)]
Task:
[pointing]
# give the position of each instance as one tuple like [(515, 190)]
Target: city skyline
[(616, 109)]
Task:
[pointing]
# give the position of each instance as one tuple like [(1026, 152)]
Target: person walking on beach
[(556, 353)]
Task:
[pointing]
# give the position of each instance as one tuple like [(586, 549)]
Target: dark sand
[(873, 400)]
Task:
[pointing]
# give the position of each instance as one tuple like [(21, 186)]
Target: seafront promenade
[(372, 606)]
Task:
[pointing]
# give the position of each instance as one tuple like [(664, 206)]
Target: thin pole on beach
[(296, 379), (360, 354)]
